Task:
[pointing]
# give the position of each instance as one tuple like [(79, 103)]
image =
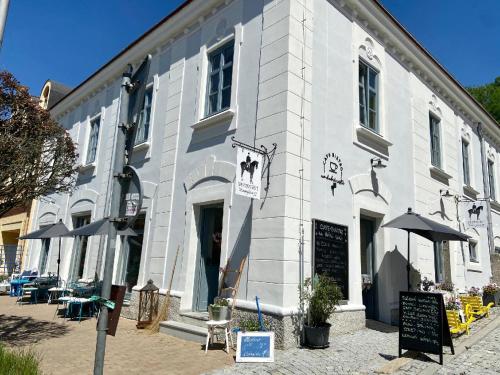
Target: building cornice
[(374, 18)]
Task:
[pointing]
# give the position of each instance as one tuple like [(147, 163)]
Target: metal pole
[(486, 187), (408, 267), (4, 9), (102, 325), (58, 261)]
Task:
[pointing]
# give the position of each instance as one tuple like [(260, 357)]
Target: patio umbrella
[(99, 227), (50, 231), (433, 231)]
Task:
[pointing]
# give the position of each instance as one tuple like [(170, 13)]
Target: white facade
[(295, 83)]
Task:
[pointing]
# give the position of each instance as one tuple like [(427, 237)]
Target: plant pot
[(317, 337), (218, 312), (495, 298)]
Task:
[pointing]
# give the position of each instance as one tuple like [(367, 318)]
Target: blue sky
[(68, 40)]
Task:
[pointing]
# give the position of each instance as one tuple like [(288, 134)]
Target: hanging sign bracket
[(267, 154)]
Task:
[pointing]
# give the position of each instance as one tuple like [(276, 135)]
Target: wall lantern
[(148, 304), (377, 163)]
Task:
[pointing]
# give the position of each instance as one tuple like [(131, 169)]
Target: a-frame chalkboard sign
[(423, 325)]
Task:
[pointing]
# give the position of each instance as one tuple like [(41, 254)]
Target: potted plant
[(474, 291), (426, 284), (321, 295), (219, 310), (491, 293)]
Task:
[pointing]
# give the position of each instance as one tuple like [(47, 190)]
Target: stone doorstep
[(394, 365), (184, 331), (194, 318)]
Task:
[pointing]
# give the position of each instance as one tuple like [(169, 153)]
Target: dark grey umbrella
[(50, 231), (433, 231), (99, 227)]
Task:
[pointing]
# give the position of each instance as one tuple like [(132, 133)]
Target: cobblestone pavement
[(481, 358), (68, 347), (373, 351)]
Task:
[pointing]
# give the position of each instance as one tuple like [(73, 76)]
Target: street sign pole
[(119, 162)]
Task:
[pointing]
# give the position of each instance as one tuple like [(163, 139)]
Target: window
[(435, 141), (144, 122), (44, 255), (491, 179), (439, 261), (220, 76), (473, 252), (93, 140), (368, 96), (497, 250), (80, 253), (465, 162)]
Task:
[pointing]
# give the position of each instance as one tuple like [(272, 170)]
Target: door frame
[(197, 276), (375, 222), (196, 198)]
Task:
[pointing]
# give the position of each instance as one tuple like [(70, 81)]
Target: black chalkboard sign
[(423, 325), (331, 253)]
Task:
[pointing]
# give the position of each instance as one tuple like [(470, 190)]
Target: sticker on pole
[(132, 195), (248, 174)]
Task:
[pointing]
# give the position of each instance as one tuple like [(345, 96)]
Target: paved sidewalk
[(373, 351), (68, 347)]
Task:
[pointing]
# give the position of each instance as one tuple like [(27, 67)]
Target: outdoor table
[(81, 302), (56, 291)]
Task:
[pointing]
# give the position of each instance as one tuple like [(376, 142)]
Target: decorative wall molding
[(211, 168)]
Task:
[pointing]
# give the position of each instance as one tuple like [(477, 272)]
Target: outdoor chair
[(476, 304), (456, 326), (213, 326), (80, 304)]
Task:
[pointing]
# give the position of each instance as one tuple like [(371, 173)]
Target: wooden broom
[(154, 327)]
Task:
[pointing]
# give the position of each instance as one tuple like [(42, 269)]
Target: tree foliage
[(489, 97), (37, 155)]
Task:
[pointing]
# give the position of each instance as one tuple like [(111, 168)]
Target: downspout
[(486, 188)]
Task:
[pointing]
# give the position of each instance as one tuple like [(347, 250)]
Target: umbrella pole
[(408, 267), (58, 261)]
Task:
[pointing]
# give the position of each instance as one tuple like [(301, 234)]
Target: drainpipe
[(486, 187)]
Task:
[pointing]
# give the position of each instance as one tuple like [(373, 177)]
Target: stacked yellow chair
[(476, 306), (456, 326)]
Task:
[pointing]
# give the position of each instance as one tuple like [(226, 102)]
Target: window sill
[(214, 119), (495, 205), (141, 146), (470, 191), (86, 167), (371, 141), (439, 173), (371, 135), (474, 267)]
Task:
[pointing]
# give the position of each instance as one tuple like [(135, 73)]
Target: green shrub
[(18, 362), (321, 295)]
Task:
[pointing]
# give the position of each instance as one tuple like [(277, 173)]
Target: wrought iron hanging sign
[(473, 213), (333, 170), (251, 166)]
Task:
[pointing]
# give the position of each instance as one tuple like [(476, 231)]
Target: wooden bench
[(456, 326), (476, 306)]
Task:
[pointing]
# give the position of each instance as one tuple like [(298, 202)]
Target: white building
[(327, 81)]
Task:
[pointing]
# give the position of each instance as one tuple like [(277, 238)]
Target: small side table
[(214, 325)]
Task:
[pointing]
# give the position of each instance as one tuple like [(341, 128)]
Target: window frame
[(439, 269), (466, 162), (491, 179), (220, 73), (96, 119), (149, 88), (367, 89), (435, 124), (473, 258)]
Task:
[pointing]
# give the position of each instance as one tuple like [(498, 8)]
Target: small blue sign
[(255, 347)]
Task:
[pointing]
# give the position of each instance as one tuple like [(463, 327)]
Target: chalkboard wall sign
[(331, 253), (255, 347), (423, 325)]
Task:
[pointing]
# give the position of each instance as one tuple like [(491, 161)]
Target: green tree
[(489, 97), (37, 155)]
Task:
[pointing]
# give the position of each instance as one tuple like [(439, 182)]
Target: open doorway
[(208, 259), (131, 256), (368, 271)]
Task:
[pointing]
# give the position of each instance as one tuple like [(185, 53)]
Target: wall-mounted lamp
[(445, 193), (377, 163)]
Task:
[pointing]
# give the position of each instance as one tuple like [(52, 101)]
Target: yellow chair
[(456, 326), (476, 304), (469, 315)]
